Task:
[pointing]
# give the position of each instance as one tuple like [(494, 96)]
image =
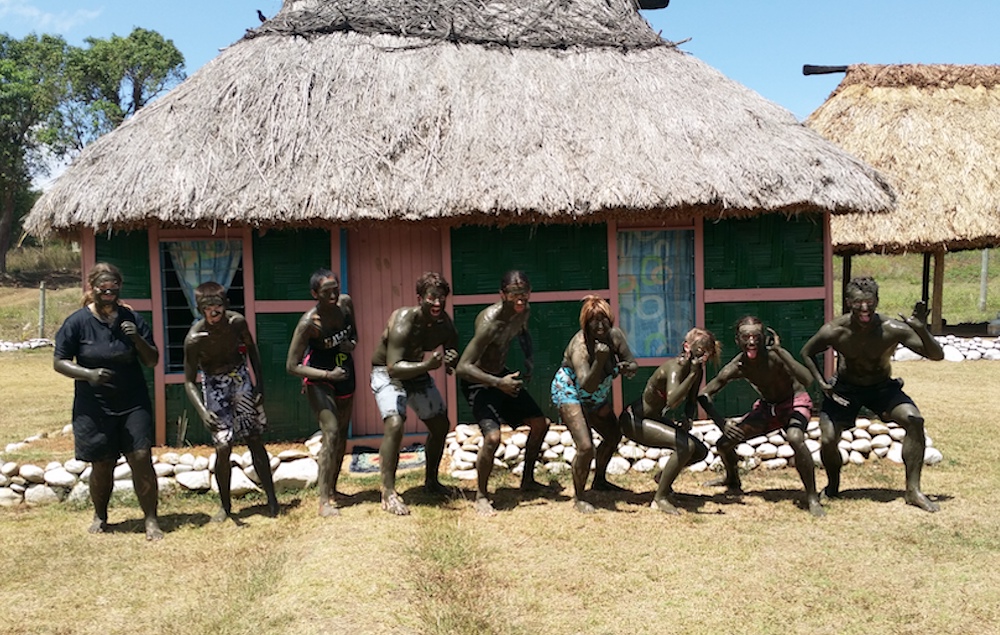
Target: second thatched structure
[(933, 130)]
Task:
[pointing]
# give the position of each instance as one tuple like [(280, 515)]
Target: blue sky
[(762, 44)]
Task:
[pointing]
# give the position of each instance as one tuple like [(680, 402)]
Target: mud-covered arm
[(141, 337), (297, 350), (527, 347), (191, 388), (728, 373), (398, 334), (253, 353), (347, 306), (917, 337), (816, 345), (627, 365), (797, 371)]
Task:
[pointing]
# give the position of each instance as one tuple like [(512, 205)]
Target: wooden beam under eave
[(936, 294)]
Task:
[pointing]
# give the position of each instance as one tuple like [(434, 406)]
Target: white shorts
[(392, 395)]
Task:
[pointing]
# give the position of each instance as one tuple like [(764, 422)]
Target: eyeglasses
[(109, 291)]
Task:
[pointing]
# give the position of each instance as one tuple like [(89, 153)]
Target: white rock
[(79, 494), (470, 446), (85, 475), (166, 486), (662, 462), (814, 433), (817, 459), (813, 445), (631, 452), (498, 453), (498, 463), (18, 487), (932, 456), (198, 481), (861, 433), (904, 354), (569, 454), (952, 354), (32, 474), (163, 469), (895, 453), (774, 464), (9, 468), (756, 441), (786, 451), (170, 457), (239, 484), (511, 452), (776, 439), (712, 436), (644, 465), (465, 475), (566, 438), (847, 435), (880, 452), (180, 468), (844, 445), (877, 428), (845, 455), (555, 467), (618, 465), (464, 456), (462, 465), (67, 429), (927, 440), (992, 355), (51, 465), (200, 463), (60, 477), (75, 467), (897, 433), (186, 459), (518, 469), (552, 437), (293, 455), (744, 450), (4, 480), (40, 495), (652, 453), (123, 487), (550, 455), (767, 451), (864, 446), (881, 441), (558, 448), (296, 475), (700, 466), (519, 439), (122, 472), (9, 498), (973, 356), (14, 447), (856, 458)]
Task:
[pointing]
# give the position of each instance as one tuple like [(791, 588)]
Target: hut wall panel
[(284, 260), (794, 321), (769, 251), (129, 251), (288, 414), (383, 265)]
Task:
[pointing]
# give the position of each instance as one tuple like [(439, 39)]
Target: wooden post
[(936, 322), (926, 278), (843, 284), (984, 279)]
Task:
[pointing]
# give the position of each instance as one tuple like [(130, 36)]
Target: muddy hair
[(747, 319), (512, 277), (98, 271), (432, 280), (316, 280), (696, 335), (864, 284), (594, 306), (209, 289)]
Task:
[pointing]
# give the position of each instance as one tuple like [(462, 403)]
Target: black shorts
[(881, 399), (492, 406), (631, 423), (104, 437)]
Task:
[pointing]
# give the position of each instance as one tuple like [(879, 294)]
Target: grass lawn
[(759, 564)]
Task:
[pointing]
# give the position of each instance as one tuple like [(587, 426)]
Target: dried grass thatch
[(358, 126), (934, 132)]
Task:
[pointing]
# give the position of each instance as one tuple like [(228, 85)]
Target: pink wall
[(383, 266)]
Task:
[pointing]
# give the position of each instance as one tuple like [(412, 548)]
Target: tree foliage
[(56, 98)]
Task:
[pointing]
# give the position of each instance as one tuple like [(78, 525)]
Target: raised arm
[(816, 345), (917, 338), (796, 371)]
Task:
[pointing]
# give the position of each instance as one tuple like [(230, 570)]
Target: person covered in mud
[(865, 341), (320, 353), (230, 405), (661, 417), (400, 377), (581, 389), (495, 393), (784, 404), (103, 347)]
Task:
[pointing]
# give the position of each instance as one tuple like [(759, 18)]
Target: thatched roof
[(934, 132), (453, 112)]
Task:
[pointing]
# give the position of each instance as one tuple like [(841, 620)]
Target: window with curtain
[(183, 266), (656, 289)]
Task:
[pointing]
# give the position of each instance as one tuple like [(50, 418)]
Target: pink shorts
[(767, 417)]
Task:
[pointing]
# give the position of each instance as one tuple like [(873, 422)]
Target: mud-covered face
[(328, 292), (698, 349), (862, 306), (433, 302), (517, 295), (750, 339), (599, 327), (106, 290), (213, 308)]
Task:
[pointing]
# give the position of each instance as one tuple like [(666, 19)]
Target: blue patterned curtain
[(198, 261), (656, 289)]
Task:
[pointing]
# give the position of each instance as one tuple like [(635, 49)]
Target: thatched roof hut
[(357, 111), (934, 132)]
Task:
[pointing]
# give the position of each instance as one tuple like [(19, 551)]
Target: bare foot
[(826, 494), (220, 515), (393, 504), (153, 531), (484, 507), (99, 526), (273, 508), (664, 505), (328, 509), (531, 485), (604, 485), (583, 507), (435, 488), (815, 508), (917, 499), (733, 488)]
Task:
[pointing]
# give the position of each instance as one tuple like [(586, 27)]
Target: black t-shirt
[(94, 344)]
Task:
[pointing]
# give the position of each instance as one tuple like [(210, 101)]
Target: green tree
[(55, 99), (32, 87)]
